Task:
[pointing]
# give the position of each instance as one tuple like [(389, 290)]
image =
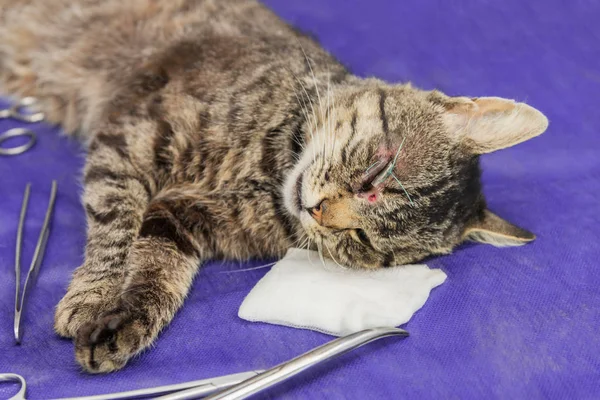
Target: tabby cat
[(215, 130)]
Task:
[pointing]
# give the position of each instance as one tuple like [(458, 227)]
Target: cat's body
[(217, 131), (210, 105)]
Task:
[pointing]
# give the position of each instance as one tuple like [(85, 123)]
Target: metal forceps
[(203, 387), (37, 256), (296, 365), (242, 385), (16, 112)]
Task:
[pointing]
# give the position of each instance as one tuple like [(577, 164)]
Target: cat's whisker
[(302, 245), (298, 240), (312, 129), (316, 87), (301, 99), (308, 248), (332, 257), (302, 143), (320, 248), (249, 269), (302, 148), (303, 108), (330, 98), (305, 242), (328, 111), (314, 78), (303, 239), (304, 105), (335, 121)]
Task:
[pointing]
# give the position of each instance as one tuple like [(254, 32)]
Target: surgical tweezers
[(37, 256)]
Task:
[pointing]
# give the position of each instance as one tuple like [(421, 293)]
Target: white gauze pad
[(306, 294)]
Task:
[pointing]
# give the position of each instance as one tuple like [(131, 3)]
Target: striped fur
[(217, 131)]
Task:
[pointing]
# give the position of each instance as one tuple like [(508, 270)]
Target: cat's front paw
[(78, 308), (107, 344)]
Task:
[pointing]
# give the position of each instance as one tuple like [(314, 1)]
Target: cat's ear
[(487, 124), (492, 229)]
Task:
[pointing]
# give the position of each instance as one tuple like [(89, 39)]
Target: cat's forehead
[(389, 114), (376, 123)]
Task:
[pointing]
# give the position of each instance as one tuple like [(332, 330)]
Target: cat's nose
[(317, 211)]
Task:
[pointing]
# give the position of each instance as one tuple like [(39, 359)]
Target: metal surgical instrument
[(37, 256), (15, 112), (204, 387), (18, 379), (242, 385), (16, 132), (290, 368)]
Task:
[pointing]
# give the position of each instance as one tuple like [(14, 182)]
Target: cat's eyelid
[(383, 175), (356, 235), (389, 168), (373, 172)]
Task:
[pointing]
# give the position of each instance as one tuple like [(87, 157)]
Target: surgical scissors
[(240, 386), (37, 256), (16, 112), (290, 368), (203, 387)]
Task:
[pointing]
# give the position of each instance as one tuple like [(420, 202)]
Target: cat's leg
[(115, 198), (175, 237)]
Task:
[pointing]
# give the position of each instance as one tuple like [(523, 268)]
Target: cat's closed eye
[(370, 175), (361, 236)]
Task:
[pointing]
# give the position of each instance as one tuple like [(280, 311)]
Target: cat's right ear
[(487, 124)]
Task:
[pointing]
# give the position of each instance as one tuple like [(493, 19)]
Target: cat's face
[(390, 175)]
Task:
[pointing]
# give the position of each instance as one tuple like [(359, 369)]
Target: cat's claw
[(71, 315), (107, 344)]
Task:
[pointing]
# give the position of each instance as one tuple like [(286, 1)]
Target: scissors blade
[(290, 368)]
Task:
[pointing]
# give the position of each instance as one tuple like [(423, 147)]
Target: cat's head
[(390, 174)]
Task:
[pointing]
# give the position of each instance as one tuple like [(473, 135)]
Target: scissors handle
[(17, 379), (14, 111), (16, 132)]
